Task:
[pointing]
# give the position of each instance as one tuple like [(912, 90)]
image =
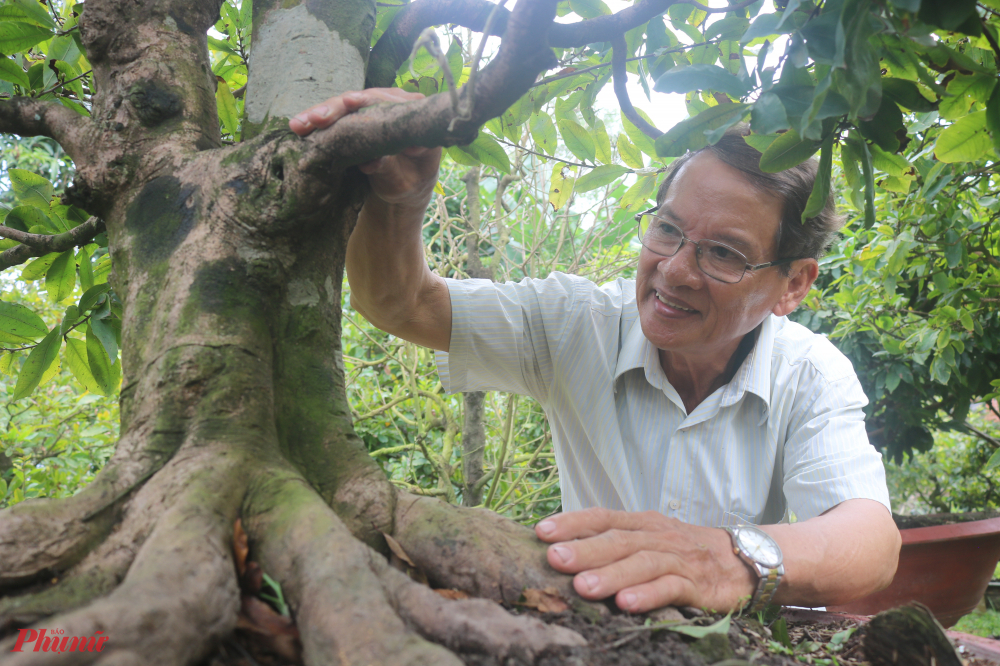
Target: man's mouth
[(677, 306)]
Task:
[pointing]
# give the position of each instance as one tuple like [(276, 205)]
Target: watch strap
[(768, 578)]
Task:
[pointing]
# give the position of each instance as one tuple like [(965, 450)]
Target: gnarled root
[(329, 579), (68, 593), (473, 625), (475, 550), (179, 597)]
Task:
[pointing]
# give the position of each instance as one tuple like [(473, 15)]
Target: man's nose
[(682, 268)]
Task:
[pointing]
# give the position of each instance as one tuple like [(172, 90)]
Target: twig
[(508, 433), (550, 157), (618, 48), (468, 89)]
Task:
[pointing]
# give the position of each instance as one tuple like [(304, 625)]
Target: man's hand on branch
[(646, 560), (405, 179)]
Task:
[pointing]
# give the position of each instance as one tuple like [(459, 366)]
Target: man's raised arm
[(391, 284)]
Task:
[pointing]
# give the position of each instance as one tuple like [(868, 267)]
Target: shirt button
[(675, 504)]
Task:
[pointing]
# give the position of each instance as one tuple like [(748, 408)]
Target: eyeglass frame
[(697, 252)]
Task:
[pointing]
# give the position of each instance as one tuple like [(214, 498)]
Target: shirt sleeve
[(504, 336), (827, 456)]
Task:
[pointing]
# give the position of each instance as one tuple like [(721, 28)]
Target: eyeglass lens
[(714, 258)]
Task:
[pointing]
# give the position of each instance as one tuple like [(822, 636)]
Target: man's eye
[(669, 230), (721, 252)]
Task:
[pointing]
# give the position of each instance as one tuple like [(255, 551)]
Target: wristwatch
[(762, 554)]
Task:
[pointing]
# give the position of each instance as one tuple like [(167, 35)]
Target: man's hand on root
[(646, 560), (405, 179)]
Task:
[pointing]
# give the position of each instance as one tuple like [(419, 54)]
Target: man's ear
[(801, 276)]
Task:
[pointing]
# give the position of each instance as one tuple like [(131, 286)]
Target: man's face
[(681, 309)]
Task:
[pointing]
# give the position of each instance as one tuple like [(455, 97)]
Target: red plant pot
[(945, 567)]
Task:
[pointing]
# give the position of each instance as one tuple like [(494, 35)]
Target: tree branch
[(618, 54), (35, 245), (388, 128), (31, 117), (393, 47)]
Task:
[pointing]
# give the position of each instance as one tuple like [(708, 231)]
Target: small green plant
[(984, 623)]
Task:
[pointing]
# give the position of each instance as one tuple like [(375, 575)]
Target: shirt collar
[(753, 376)]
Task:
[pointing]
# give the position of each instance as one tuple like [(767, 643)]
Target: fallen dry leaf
[(454, 595), (397, 550), (545, 601), (241, 546), (274, 632)]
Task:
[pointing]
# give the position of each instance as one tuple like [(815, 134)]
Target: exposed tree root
[(66, 594), (475, 550), (329, 579), (180, 596), (473, 625), (39, 538)]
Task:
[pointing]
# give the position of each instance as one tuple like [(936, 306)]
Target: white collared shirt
[(785, 436)]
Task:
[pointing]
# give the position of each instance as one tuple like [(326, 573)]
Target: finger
[(326, 113), (636, 569), (604, 549), (591, 522), (666, 590)]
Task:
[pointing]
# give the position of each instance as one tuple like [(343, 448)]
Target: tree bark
[(228, 261)]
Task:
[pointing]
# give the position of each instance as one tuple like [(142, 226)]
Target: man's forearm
[(391, 284), (848, 552)]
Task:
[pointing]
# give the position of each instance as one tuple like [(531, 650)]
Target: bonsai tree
[(212, 267)]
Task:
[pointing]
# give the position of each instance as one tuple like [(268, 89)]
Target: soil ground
[(623, 640)]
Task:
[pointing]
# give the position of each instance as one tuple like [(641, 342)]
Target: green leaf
[(30, 188), (821, 185), (947, 14), (26, 218), (630, 155), (578, 140), (106, 373), (38, 267), (786, 151), (907, 94), (60, 279), (93, 297), (890, 163), (75, 355), (860, 81), (561, 185), (11, 71), (641, 140), (993, 462), (246, 14), (488, 151), (7, 363), (599, 177), (228, 113), (640, 192), (221, 46), (684, 79), (543, 131), (589, 9), (760, 142), (768, 115), (695, 631), (764, 25), (966, 140), (963, 91), (102, 329), (19, 323), (884, 128), (37, 363), (38, 13), (993, 118), (86, 269), (690, 133), (602, 143), (16, 37)]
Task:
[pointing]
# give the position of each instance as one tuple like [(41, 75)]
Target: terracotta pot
[(945, 567)]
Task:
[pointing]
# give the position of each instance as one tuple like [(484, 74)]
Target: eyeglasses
[(716, 260)]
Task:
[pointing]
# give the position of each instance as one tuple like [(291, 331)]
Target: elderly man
[(686, 409)]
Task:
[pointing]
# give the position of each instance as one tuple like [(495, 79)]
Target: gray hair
[(792, 186)]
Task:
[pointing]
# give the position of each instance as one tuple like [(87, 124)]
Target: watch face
[(759, 546)]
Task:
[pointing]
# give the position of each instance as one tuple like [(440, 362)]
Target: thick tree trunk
[(228, 262)]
